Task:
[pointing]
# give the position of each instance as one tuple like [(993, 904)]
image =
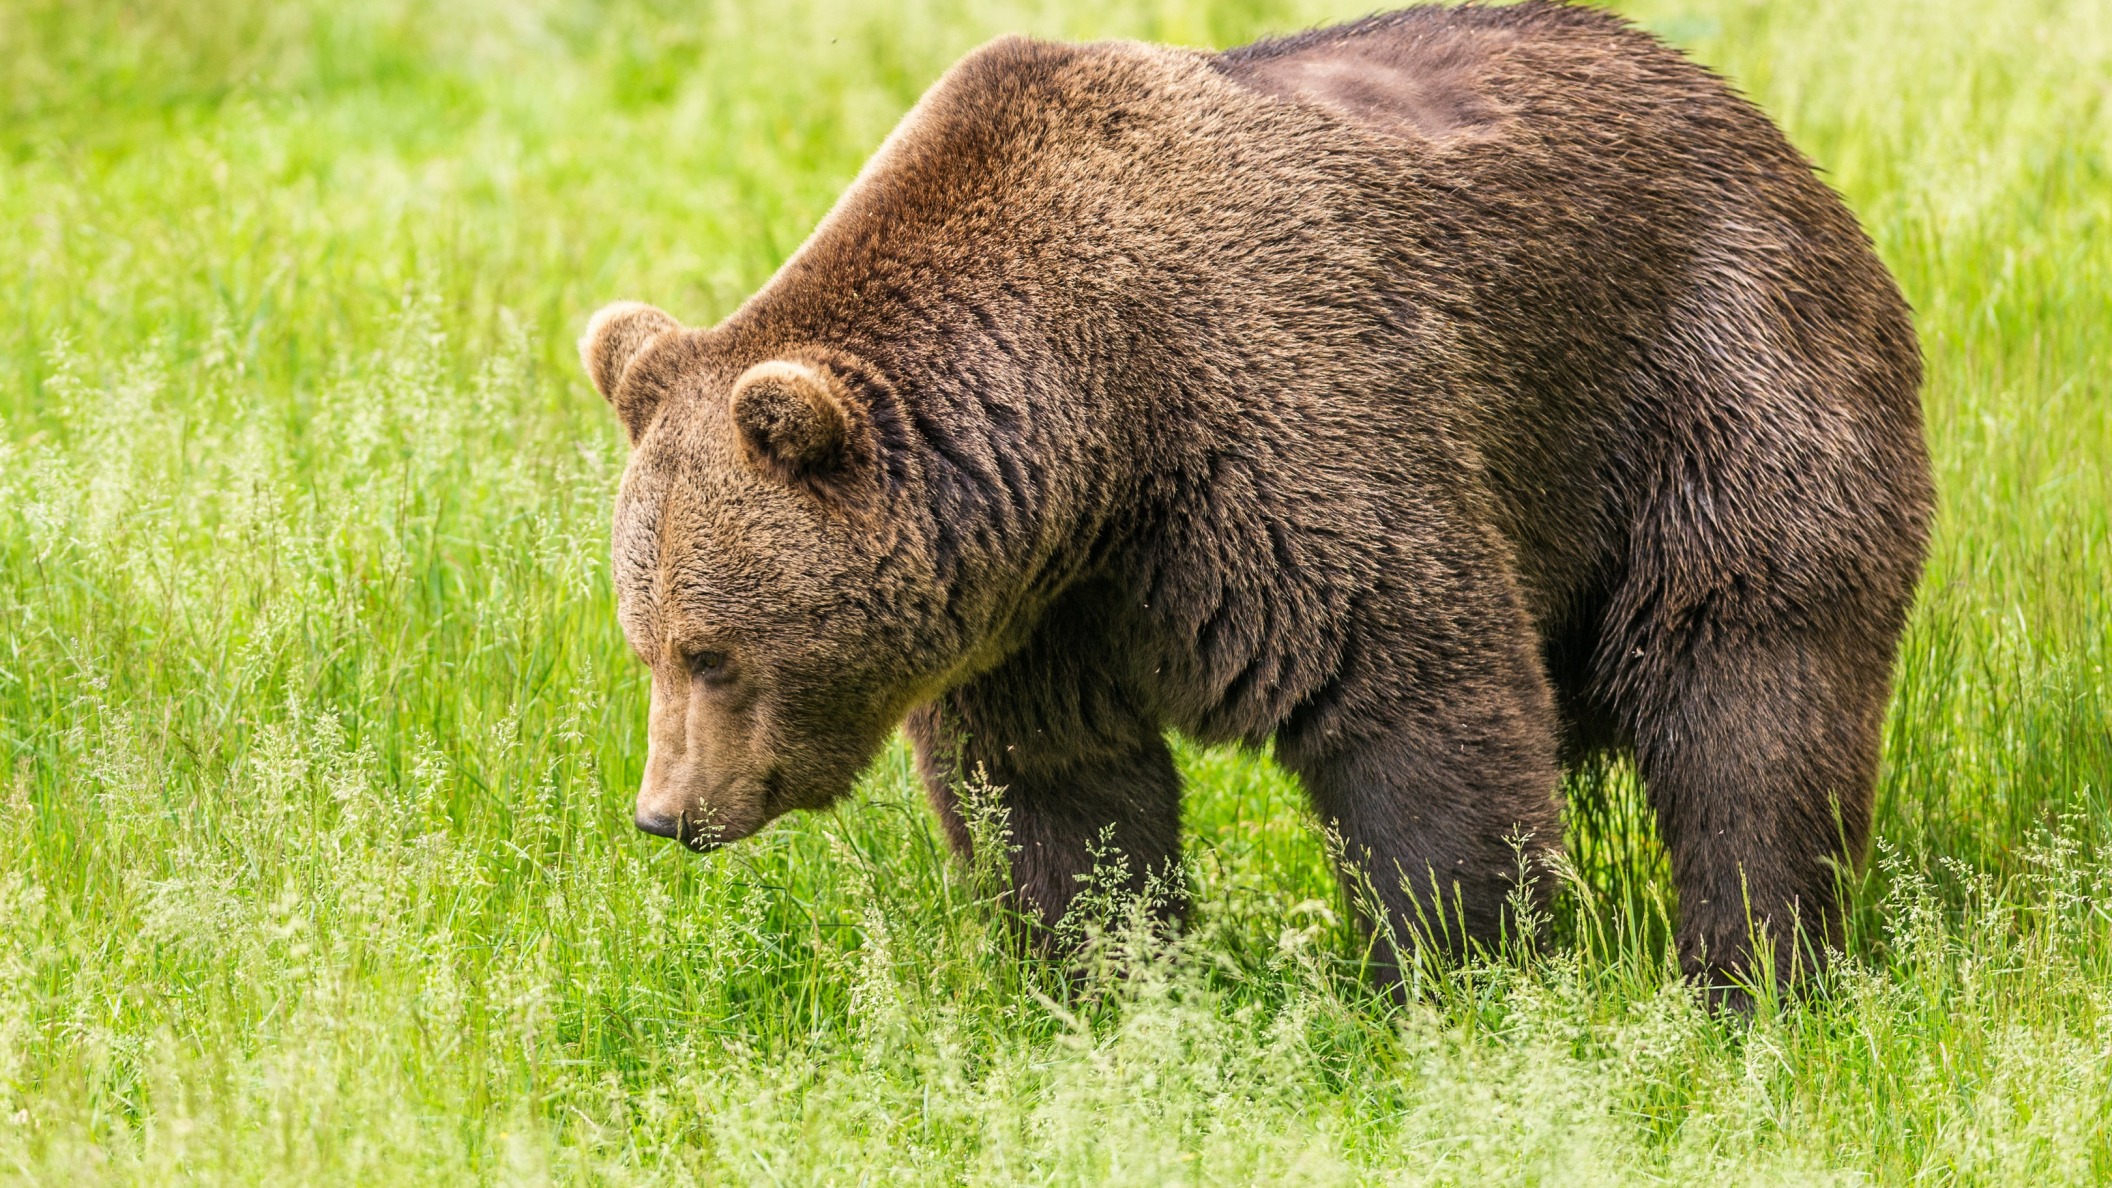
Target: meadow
[(318, 738)]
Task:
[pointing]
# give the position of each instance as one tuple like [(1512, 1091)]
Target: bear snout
[(678, 828)]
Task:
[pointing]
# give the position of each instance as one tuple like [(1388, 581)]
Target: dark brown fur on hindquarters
[(1446, 396)]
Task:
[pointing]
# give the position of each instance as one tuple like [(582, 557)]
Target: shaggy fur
[(1446, 396)]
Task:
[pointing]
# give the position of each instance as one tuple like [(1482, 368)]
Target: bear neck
[(1065, 359)]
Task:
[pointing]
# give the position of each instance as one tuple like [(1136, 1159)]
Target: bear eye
[(708, 664)]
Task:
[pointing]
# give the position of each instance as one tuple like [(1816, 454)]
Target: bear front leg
[(1439, 817), (1072, 799)]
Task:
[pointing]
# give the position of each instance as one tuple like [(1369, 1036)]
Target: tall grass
[(319, 737)]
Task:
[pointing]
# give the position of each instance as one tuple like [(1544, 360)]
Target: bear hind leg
[(1759, 748)]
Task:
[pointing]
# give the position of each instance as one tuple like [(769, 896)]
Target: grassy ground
[(317, 737)]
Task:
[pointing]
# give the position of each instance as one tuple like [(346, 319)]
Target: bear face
[(751, 557)]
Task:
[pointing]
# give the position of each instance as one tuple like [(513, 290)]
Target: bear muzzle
[(680, 801), (678, 827), (702, 828), (702, 819)]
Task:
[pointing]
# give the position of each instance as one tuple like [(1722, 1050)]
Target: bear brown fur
[(1448, 397)]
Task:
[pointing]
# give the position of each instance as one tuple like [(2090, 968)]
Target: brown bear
[(1447, 397)]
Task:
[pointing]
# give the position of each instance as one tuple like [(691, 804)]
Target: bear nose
[(675, 828), (659, 825)]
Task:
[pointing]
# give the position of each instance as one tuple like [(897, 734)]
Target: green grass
[(319, 736)]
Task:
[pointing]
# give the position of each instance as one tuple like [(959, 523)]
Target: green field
[(318, 738)]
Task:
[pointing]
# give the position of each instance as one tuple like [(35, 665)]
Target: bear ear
[(616, 335), (797, 421)]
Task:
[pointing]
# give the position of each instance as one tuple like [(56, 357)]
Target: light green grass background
[(319, 738)]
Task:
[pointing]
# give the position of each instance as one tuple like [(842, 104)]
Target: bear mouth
[(694, 835), (699, 838), (702, 830)]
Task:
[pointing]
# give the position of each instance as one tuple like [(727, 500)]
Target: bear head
[(759, 571)]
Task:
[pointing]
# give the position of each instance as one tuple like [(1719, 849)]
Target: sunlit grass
[(319, 737)]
